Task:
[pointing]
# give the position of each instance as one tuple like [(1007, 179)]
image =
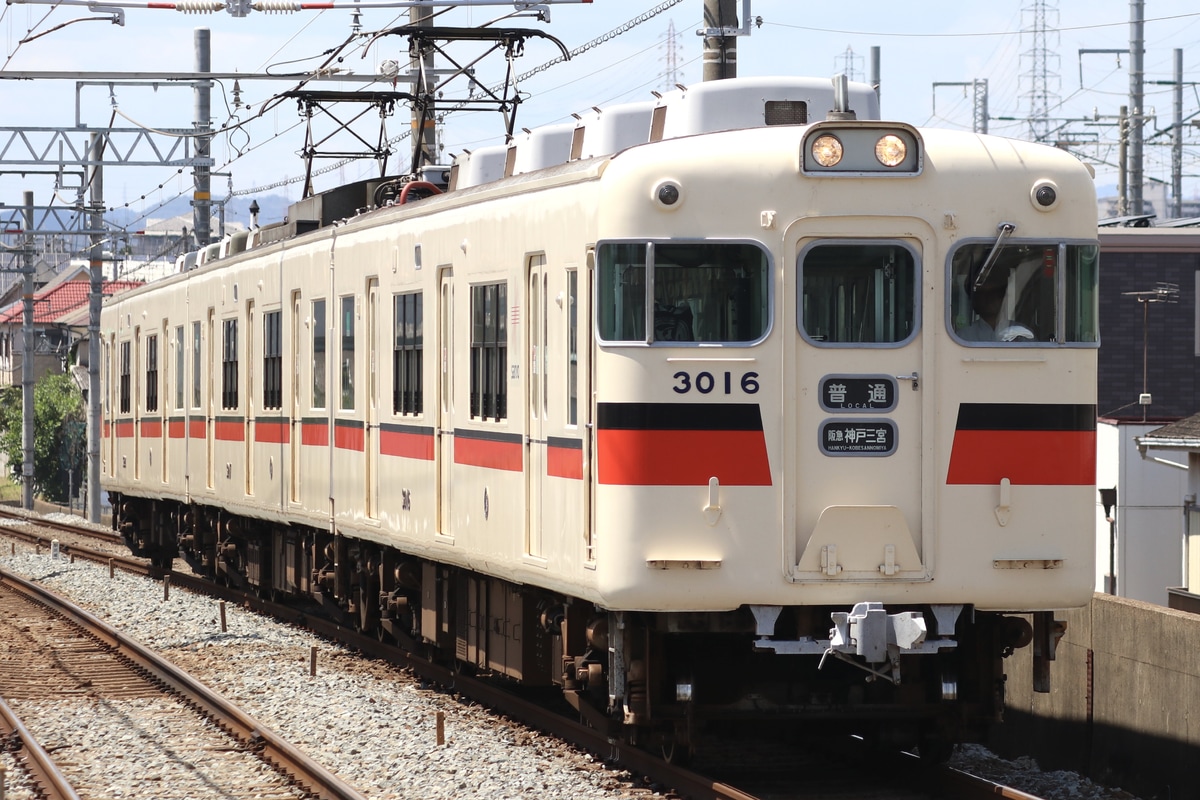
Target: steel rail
[(279, 752), (66, 527), (41, 767)]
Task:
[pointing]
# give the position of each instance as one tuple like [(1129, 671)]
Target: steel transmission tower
[(670, 57), (1041, 21)]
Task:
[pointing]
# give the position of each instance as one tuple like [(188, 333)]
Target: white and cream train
[(713, 408)]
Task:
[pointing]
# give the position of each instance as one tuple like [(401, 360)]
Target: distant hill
[(272, 208)]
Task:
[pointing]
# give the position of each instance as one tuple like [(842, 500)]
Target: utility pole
[(28, 362), (720, 40), (1123, 162), (95, 298), (202, 196), (875, 72), (423, 65), (1177, 141), (1137, 32)]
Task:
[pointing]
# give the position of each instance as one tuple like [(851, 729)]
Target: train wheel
[(935, 749)]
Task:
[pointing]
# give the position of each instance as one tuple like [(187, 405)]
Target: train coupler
[(864, 637)]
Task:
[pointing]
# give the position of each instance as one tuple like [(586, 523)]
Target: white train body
[(802, 424)]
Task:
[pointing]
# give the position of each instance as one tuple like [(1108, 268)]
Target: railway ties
[(123, 722)]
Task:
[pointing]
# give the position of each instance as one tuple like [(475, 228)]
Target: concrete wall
[(1125, 702)]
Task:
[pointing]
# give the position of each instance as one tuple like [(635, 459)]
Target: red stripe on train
[(229, 430), (564, 462), (406, 445), (151, 428), (488, 453), (197, 429), (314, 433), (124, 429), (347, 437), (682, 458), (177, 429), (1030, 458), (271, 432)]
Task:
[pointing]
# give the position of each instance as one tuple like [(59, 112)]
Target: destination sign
[(858, 393), (840, 437)]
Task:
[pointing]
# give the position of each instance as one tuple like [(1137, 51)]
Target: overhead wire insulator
[(278, 6), (199, 6)]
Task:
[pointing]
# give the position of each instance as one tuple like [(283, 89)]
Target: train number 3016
[(706, 382)]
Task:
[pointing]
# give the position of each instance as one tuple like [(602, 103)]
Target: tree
[(59, 450)]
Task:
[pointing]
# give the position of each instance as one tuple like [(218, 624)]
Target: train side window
[(572, 347), (152, 373), (858, 293), (702, 292), (180, 363), (124, 401), (272, 360), (229, 365), (318, 354), (408, 342), (197, 361), (489, 351), (1026, 293), (347, 353)]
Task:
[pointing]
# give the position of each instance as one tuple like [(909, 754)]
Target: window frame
[(124, 382), (1060, 290), (488, 362), (649, 243), (272, 325), (229, 364), (408, 356), (152, 372), (917, 280), (319, 396)]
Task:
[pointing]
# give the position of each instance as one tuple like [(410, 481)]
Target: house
[(1180, 441), (1148, 377), (55, 327)]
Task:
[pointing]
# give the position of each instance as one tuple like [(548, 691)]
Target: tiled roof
[(1187, 428), (55, 301)]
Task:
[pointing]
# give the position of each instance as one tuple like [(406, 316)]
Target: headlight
[(827, 150), (890, 150)]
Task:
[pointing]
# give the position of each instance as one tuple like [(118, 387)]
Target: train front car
[(845, 425)]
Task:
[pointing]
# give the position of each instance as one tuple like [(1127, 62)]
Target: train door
[(294, 437), (444, 453), (211, 402), (858, 413), (249, 355), (580, 405), (137, 402), (164, 404), (536, 402), (110, 384), (371, 423)]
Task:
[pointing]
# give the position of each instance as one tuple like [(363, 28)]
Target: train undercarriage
[(660, 680)]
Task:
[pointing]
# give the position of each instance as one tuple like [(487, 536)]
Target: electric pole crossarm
[(168, 147), (242, 8), (1088, 51)]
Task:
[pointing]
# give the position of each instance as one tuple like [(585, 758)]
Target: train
[(735, 406)]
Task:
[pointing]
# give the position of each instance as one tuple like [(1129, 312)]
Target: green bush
[(59, 435)]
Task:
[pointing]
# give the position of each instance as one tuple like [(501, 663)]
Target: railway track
[(844, 776), (57, 658)]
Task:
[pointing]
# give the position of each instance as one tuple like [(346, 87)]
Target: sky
[(921, 44)]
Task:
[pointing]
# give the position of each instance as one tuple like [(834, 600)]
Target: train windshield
[(1031, 293), (702, 292), (858, 293)]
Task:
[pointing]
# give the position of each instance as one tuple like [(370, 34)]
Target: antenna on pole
[(1163, 293)]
